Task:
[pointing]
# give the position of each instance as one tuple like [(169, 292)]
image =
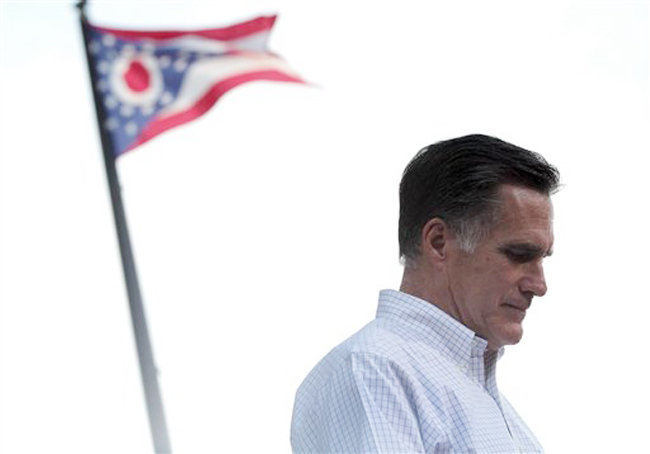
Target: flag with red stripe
[(151, 81)]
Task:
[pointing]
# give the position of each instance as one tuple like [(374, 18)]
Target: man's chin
[(514, 334), (509, 335)]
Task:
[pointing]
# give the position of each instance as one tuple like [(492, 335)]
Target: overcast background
[(264, 230)]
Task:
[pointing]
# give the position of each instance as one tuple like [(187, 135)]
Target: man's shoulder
[(353, 391), (375, 339), (377, 345), (339, 373), (380, 373)]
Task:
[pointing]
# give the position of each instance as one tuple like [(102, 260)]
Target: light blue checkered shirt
[(412, 380)]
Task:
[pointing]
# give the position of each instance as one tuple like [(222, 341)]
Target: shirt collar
[(425, 322)]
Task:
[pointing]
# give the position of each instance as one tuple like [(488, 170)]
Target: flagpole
[(157, 422)]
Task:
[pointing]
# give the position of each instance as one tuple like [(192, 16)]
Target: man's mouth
[(519, 308)]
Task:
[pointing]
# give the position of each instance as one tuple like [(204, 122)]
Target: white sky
[(264, 230)]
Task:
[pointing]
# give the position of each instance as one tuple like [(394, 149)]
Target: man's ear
[(435, 240)]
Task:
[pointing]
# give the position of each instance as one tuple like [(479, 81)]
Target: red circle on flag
[(137, 77)]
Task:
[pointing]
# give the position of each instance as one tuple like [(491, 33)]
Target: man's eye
[(519, 256)]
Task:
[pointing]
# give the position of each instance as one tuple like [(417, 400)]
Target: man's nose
[(534, 282)]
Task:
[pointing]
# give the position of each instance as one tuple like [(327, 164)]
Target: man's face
[(492, 287)]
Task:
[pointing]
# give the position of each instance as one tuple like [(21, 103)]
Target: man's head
[(475, 224)]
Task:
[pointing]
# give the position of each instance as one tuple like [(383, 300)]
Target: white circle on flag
[(136, 79)]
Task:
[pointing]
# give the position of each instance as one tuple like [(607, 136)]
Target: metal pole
[(157, 422)]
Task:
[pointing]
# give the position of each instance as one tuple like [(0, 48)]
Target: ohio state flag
[(151, 81)]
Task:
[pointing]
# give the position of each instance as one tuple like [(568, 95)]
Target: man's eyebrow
[(526, 248)]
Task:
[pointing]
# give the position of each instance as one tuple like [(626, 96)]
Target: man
[(475, 225)]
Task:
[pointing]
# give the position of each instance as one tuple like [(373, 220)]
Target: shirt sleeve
[(367, 406)]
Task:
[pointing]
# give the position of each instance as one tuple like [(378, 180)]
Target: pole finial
[(81, 6)]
